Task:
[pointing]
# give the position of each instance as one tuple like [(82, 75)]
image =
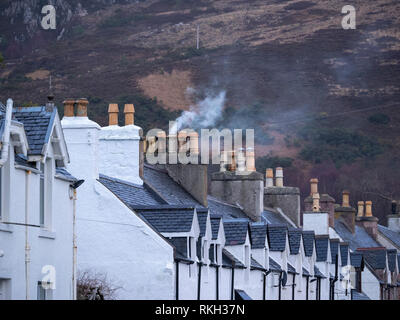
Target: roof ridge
[(109, 178)]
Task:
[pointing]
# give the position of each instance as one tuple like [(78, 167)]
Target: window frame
[(46, 183)]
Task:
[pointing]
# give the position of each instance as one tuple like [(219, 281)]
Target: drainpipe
[(74, 247), (177, 280), (6, 133), (264, 285), (307, 279), (199, 282), (280, 286), (233, 281), (27, 247), (217, 278), (293, 286), (333, 281)]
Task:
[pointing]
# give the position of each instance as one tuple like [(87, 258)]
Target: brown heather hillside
[(323, 100)]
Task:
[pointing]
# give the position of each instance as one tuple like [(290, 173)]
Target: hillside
[(323, 100)]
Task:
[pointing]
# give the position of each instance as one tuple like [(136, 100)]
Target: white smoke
[(203, 114)]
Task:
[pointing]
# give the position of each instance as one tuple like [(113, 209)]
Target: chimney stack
[(367, 221), (113, 114), (394, 218), (232, 161), (314, 186), (129, 112), (345, 199), (360, 212), (346, 212), (81, 110), (69, 107), (279, 177), (194, 142), (269, 178)]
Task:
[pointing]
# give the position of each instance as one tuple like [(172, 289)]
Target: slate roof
[(277, 237), (392, 256), (180, 244), (274, 266), (308, 242), (228, 260), (392, 236), (258, 233), (318, 273), (344, 250), (305, 272), (37, 123), (169, 221), (356, 259), (321, 247), (202, 215), (291, 269), (294, 240), (271, 217), (63, 173), (235, 231), (355, 295), (360, 238), (241, 295), (23, 161), (255, 265), (215, 222), (226, 210), (131, 194), (375, 257), (334, 245)]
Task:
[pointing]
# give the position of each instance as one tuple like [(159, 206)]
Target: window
[(212, 253), (44, 291), (5, 289)]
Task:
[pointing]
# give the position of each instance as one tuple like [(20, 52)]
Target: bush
[(95, 286), (379, 118)]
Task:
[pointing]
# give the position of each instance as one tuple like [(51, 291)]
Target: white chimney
[(279, 177), (269, 178)]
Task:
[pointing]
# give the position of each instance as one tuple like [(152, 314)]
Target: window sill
[(46, 234), (6, 228)]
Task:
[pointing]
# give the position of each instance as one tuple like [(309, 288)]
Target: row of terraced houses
[(79, 198)]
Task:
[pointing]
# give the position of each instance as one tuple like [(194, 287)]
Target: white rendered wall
[(119, 152), (111, 239), (48, 247), (317, 222), (370, 285)]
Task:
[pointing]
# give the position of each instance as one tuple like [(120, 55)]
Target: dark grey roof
[(356, 259), (273, 265), (235, 231), (375, 257), (228, 260), (131, 194), (272, 217), (318, 273), (308, 242), (241, 295), (360, 238), (226, 210), (392, 236), (169, 221), (215, 222), (171, 191), (355, 295), (37, 123), (255, 265), (392, 256), (344, 252), (202, 215), (258, 232), (277, 237), (63, 173), (305, 272), (321, 247), (334, 246), (291, 269), (23, 161), (180, 244), (294, 240)]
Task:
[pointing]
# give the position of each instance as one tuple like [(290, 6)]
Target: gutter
[(6, 133)]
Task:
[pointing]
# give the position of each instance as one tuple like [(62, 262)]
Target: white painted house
[(36, 206)]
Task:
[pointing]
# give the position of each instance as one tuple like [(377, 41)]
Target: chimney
[(367, 221), (326, 202), (316, 207), (223, 161), (243, 188), (346, 212), (129, 112), (279, 196), (269, 178), (315, 217), (69, 107), (394, 218), (121, 148), (81, 110), (250, 160), (113, 114), (241, 161), (82, 138)]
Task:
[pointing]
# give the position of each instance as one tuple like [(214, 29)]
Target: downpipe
[(27, 247)]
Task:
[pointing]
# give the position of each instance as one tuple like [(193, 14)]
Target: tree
[(95, 286), (1, 58)]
